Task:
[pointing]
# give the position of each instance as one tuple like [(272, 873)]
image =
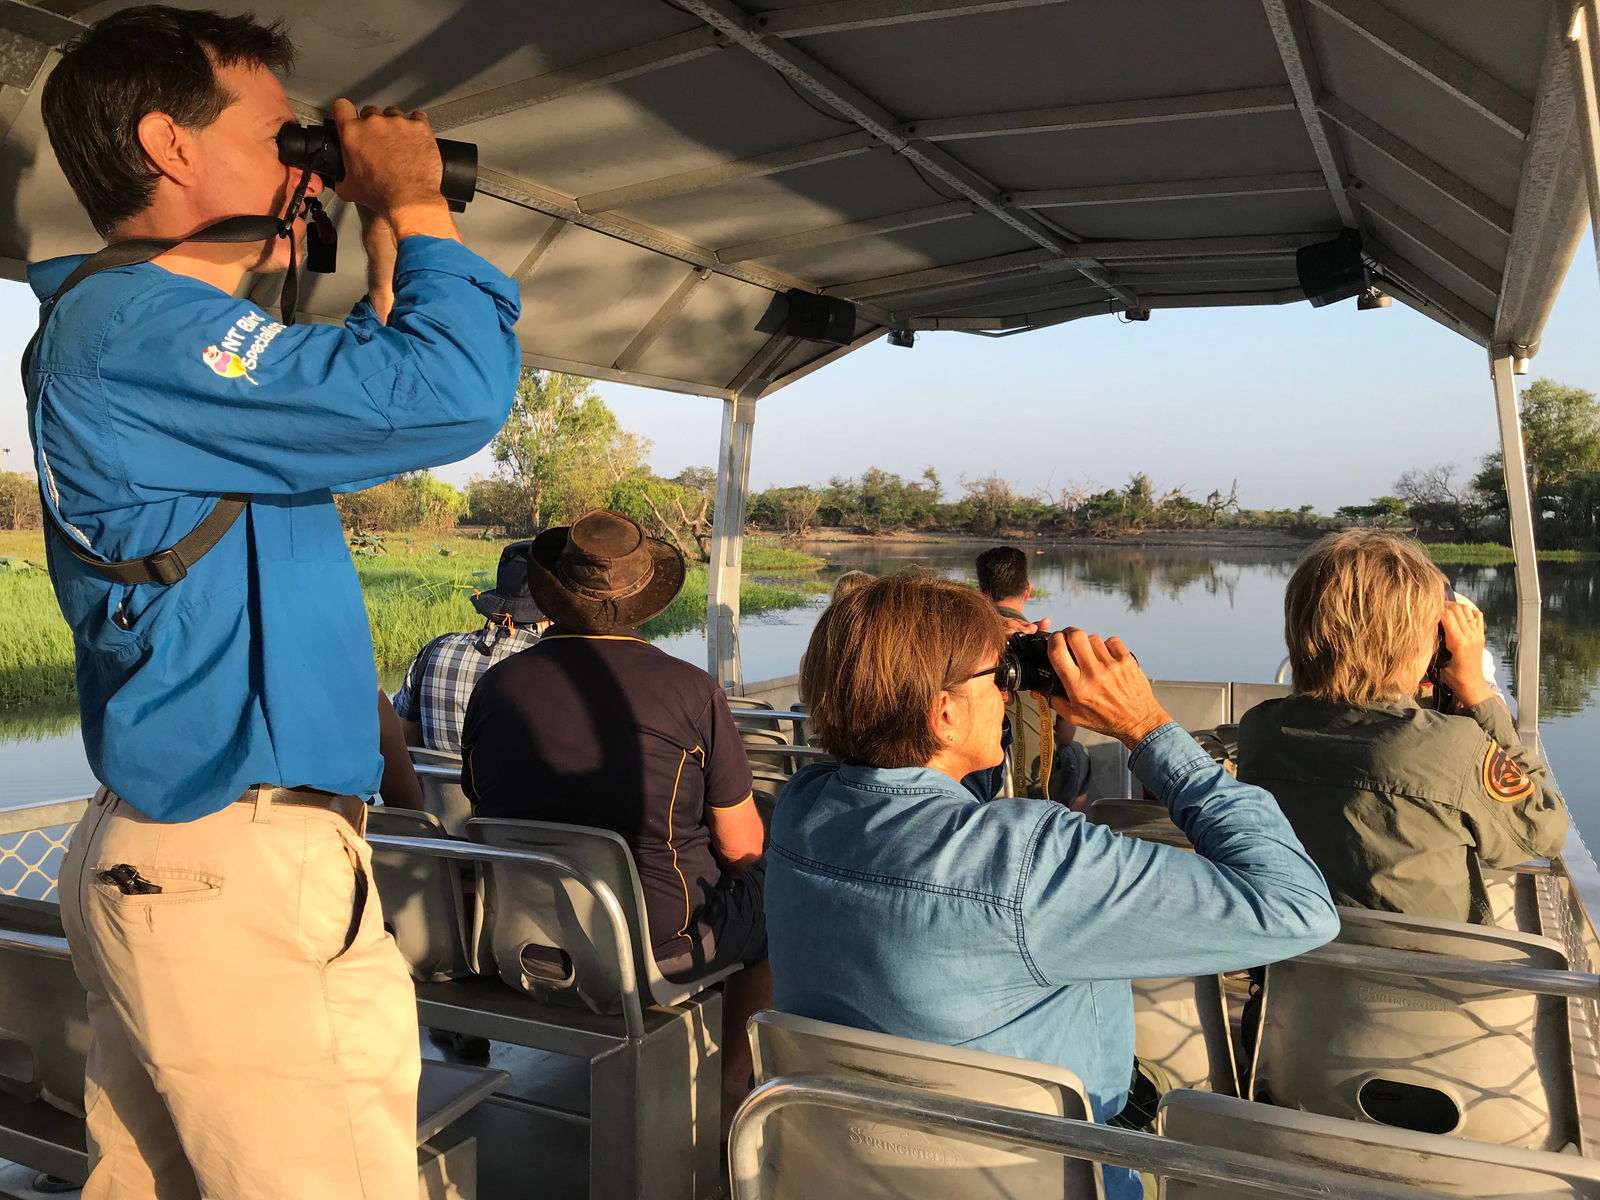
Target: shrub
[(19, 502)]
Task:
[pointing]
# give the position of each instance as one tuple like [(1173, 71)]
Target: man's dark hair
[(139, 61), (1002, 573)]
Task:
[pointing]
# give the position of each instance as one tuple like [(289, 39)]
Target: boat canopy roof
[(657, 172)]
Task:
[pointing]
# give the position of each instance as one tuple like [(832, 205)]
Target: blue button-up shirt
[(898, 903), (150, 394)]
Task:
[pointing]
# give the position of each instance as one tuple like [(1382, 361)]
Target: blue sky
[(1301, 406)]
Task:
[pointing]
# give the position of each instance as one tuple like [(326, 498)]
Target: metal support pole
[(1519, 507), (1583, 41), (727, 542)]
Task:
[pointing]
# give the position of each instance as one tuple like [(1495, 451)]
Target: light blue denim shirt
[(896, 902)]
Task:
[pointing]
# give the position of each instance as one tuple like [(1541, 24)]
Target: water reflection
[(1213, 613), (1569, 648)]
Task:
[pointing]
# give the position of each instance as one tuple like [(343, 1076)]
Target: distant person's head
[(1361, 617), (157, 109), (509, 602), (1003, 576), (847, 583), (602, 573), (892, 676)]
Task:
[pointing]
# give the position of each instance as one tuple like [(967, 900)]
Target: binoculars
[(316, 147)]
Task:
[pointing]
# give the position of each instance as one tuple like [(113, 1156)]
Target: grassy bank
[(1489, 553), (416, 590)]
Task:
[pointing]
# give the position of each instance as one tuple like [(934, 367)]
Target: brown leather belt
[(352, 808)]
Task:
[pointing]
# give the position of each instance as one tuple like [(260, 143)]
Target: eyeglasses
[(1007, 673)]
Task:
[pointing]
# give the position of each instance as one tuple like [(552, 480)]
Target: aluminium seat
[(1475, 1060), (1147, 820), (44, 1042), (444, 797), (815, 1151), (1181, 1026), (653, 1049), (749, 703), (423, 757), (1370, 1153), (762, 737), (526, 911), (423, 898)]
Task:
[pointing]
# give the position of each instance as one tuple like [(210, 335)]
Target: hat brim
[(572, 611), (521, 609)]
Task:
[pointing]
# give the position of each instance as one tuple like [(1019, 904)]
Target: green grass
[(759, 556), (413, 593), (1489, 553)]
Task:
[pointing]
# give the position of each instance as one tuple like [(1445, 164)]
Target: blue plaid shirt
[(440, 679)]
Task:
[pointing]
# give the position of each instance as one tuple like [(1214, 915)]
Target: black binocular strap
[(172, 564)]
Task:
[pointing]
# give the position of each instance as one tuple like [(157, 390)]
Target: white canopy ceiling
[(654, 171)]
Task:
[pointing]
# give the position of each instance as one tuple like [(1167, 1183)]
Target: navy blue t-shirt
[(606, 730)]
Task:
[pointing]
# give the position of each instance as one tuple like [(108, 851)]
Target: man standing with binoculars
[(254, 1027)]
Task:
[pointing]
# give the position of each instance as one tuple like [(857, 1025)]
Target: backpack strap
[(167, 566)]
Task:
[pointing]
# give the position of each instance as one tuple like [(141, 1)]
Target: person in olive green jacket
[(1400, 806)]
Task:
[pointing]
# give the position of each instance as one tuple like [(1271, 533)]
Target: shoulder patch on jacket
[(1503, 779)]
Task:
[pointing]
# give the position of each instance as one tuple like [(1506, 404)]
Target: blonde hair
[(1360, 609), (847, 583), (880, 656)]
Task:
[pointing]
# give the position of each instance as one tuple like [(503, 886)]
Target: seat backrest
[(1443, 1166), (422, 898), (749, 702), (1247, 695), (545, 932), (1473, 1060), (423, 757), (547, 935), (1138, 818), (445, 798), (1193, 705), (766, 787), (44, 1024), (1181, 1026), (826, 1152), (762, 737)]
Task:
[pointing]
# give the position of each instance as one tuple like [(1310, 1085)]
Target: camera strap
[(167, 566)]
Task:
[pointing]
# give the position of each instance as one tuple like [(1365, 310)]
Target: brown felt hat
[(602, 572)]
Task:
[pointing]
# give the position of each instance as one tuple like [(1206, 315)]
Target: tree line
[(562, 451), (1561, 443)]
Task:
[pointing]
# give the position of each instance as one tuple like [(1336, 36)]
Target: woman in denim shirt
[(899, 903)]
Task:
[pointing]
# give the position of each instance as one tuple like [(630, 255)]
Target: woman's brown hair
[(880, 656), (1359, 610)]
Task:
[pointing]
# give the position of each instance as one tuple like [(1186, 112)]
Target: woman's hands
[(1103, 687), (1464, 638)]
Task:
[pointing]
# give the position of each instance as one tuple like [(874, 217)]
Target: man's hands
[(1464, 637), (1104, 688), (392, 167)]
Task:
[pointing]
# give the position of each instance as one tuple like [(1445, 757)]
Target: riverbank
[(415, 588), (1223, 538), (1253, 539)]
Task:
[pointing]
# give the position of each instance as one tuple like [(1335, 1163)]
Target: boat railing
[(1013, 1128), (33, 839)]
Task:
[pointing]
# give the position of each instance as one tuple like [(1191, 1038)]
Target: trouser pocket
[(335, 890)]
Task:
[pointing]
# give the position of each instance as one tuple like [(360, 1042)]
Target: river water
[(1211, 613)]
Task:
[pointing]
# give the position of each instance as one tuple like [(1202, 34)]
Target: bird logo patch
[(225, 363), (1503, 779)]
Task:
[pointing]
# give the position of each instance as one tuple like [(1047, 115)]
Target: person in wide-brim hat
[(509, 597), (602, 572)]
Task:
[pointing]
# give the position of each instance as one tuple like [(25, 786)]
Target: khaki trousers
[(254, 1029)]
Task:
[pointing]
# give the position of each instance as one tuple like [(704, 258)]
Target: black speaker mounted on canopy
[(819, 318), (1333, 270)]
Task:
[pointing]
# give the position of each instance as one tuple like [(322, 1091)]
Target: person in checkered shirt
[(433, 701)]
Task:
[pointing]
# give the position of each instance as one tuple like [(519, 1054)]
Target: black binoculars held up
[(316, 147)]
